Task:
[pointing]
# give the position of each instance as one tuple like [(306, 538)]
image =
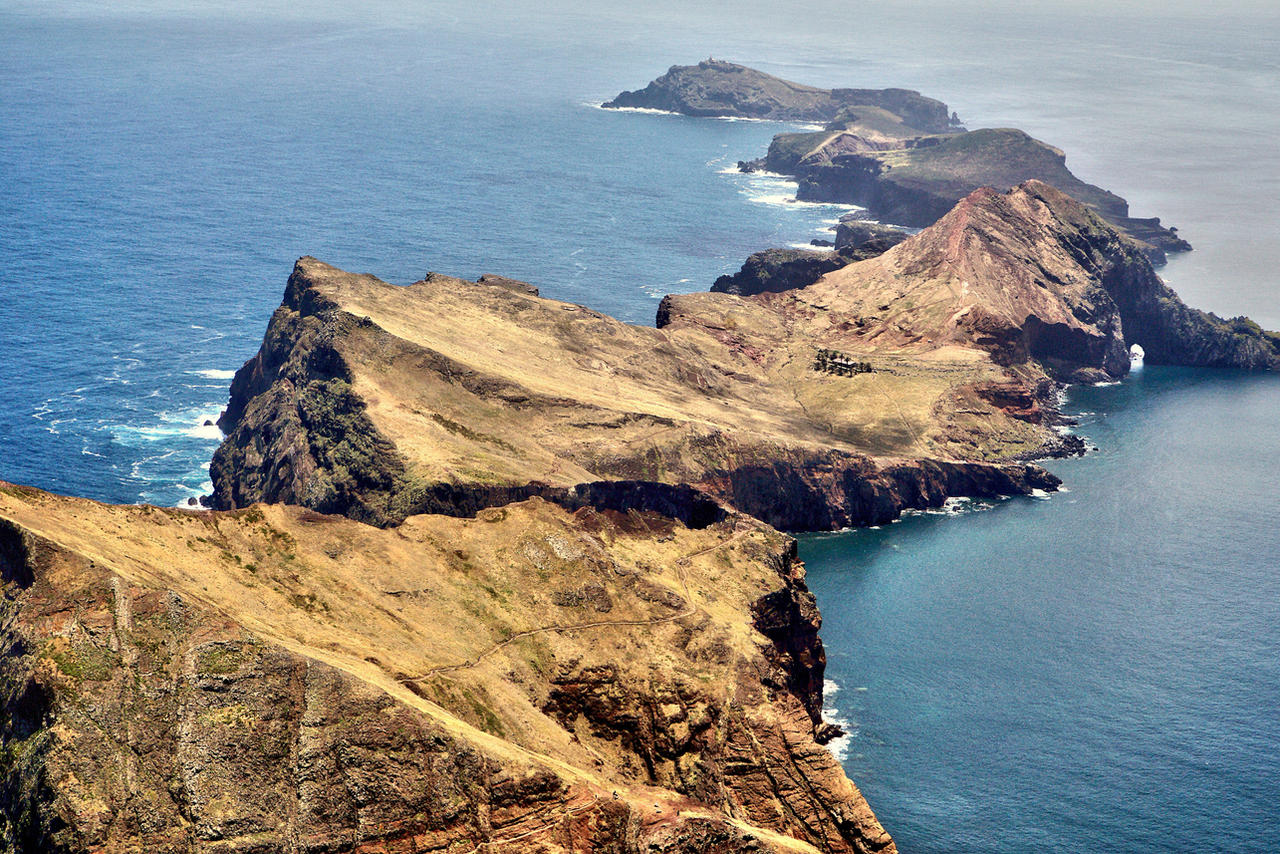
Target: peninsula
[(891, 151), (494, 572)]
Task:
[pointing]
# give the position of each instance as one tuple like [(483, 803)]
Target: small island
[(894, 152)]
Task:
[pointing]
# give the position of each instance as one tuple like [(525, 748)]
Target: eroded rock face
[(778, 270), (835, 493), (913, 180), (369, 400), (718, 88), (277, 680), (1031, 275)]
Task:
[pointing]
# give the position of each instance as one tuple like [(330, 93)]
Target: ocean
[(1097, 669)]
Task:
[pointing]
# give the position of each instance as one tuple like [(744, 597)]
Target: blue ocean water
[(162, 164), (1093, 671)]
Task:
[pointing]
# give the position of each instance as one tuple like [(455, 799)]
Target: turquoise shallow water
[(1094, 670)]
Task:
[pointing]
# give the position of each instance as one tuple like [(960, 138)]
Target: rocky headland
[(380, 401), (493, 572), (725, 89), (892, 151), (912, 180)]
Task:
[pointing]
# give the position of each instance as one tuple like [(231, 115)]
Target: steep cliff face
[(1149, 309), (378, 402), (279, 680), (779, 270), (1033, 277), (718, 88), (832, 492), (914, 180)]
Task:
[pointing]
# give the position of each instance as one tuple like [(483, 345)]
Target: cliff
[(379, 401), (914, 180), (804, 408), (532, 679), (718, 88), (1036, 280), (893, 151), (572, 624)]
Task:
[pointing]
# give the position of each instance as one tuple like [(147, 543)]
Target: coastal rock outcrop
[(776, 270), (861, 239), (914, 181), (718, 88), (895, 152), (379, 401), (275, 679), (779, 270), (1032, 276)]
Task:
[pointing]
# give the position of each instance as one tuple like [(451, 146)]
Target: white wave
[(839, 747), (647, 110), (214, 374), (771, 176), (206, 431), (773, 199), (135, 470), (1041, 494), (809, 126), (188, 423), (811, 247), (956, 505), (1106, 383), (789, 200)]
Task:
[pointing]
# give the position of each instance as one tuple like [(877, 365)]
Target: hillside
[(274, 679), (379, 401)]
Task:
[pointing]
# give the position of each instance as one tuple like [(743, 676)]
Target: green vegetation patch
[(467, 433), (221, 659), (83, 662)]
